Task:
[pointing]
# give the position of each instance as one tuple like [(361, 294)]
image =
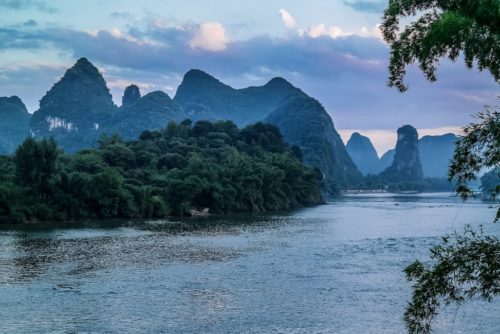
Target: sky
[(330, 49)]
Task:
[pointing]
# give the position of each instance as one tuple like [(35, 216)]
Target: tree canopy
[(181, 169), (440, 29)]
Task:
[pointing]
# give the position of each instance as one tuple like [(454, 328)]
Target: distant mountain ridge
[(204, 97), (435, 154), (363, 153), (79, 108)]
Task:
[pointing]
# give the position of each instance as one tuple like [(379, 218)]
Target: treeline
[(169, 172), (428, 184)]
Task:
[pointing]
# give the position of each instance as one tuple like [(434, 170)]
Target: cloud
[(369, 6), (29, 80), (288, 19), (373, 32), (27, 4), (211, 36), (348, 75), (322, 29)]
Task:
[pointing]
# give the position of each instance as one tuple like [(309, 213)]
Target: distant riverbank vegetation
[(428, 184), (181, 169)]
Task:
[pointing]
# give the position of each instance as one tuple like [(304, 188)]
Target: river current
[(334, 268)]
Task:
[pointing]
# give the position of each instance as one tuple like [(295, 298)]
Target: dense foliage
[(429, 184), (173, 171), (442, 29)]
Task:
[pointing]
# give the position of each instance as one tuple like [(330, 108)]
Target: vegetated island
[(180, 170)]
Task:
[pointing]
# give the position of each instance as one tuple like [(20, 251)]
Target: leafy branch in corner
[(443, 29), (478, 149), (464, 266)]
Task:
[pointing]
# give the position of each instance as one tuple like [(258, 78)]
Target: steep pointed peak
[(197, 82), (83, 62), (357, 141), (199, 75), (80, 92), (84, 65), (356, 135), (279, 81), (131, 95)]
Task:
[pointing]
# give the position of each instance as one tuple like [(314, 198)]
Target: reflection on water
[(335, 268)]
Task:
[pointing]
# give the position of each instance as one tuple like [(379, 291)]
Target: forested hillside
[(169, 172)]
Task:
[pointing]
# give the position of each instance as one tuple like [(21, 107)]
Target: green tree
[(440, 29), (36, 164)]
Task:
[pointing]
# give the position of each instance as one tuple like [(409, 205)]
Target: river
[(334, 268)]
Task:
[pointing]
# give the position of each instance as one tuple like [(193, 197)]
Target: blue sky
[(330, 49)]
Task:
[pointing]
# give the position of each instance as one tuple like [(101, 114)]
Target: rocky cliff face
[(363, 154), (14, 123), (74, 110), (406, 165)]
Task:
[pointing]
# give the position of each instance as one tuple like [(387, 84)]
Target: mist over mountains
[(78, 110)]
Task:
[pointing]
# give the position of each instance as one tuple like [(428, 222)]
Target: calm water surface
[(335, 268)]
